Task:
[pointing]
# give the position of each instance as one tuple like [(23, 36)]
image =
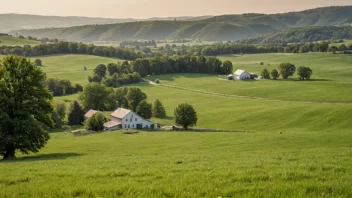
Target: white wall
[(131, 120)]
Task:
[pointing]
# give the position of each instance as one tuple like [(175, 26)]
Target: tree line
[(60, 87), (286, 70), (63, 47)]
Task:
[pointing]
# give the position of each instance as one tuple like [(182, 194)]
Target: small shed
[(230, 77), (112, 125)]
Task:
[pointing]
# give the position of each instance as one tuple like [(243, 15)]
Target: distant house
[(127, 119), (90, 113), (242, 74)]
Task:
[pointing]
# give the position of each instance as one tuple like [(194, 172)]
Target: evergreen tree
[(158, 109), (76, 114)]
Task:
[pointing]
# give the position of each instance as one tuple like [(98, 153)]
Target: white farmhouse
[(242, 74), (127, 119)]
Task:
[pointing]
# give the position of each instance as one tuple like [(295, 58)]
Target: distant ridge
[(11, 21), (217, 28)]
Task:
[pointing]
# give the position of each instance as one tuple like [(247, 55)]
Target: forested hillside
[(219, 28), (303, 35), (157, 30)]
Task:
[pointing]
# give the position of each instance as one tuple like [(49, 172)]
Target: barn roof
[(120, 113), (112, 124), (239, 72), (91, 112)]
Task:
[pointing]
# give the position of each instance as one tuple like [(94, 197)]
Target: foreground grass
[(162, 164), (14, 41), (330, 82)]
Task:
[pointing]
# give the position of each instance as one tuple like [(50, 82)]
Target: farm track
[(245, 97)]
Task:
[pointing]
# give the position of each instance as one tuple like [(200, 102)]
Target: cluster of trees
[(169, 65), (63, 47), (286, 70), (60, 87), (238, 48), (114, 75)]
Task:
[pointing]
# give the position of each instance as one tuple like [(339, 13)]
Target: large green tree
[(185, 115), (287, 69), (94, 96), (134, 96), (25, 105)]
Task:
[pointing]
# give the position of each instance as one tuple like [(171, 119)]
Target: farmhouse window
[(131, 119), (136, 119)]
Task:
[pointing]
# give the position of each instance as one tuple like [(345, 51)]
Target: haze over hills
[(219, 28), (10, 22)]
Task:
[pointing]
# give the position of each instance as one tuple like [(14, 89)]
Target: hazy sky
[(160, 8)]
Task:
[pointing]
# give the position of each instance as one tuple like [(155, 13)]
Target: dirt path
[(245, 97)]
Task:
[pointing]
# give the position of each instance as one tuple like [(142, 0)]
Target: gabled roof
[(239, 72), (111, 124), (91, 112), (120, 113)]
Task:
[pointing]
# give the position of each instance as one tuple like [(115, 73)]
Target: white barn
[(242, 74), (126, 119)]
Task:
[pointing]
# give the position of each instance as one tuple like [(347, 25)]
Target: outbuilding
[(242, 74)]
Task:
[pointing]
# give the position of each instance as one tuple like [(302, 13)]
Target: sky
[(158, 8)]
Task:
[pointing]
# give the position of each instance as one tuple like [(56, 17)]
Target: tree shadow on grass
[(43, 157)]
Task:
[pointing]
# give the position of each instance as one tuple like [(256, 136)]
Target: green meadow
[(296, 140), (331, 80), (14, 41), (185, 164)]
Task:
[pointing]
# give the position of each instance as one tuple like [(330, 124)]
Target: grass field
[(70, 67), (292, 164), (14, 41), (331, 80), (311, 158)]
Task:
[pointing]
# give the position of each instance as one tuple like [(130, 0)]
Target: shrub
[(157, 81)]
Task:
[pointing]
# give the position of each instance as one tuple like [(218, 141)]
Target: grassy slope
[(70, 67), (14, 41), (330, 81), (296, 164)]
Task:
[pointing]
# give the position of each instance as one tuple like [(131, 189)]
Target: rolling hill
[(219, 28), (157, 30), (10, 22), (303, 35)]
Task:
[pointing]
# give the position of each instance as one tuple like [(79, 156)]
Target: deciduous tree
[(25, 103), (265, 74), (144, 109), (134, 97), (95, 123), (304, 72), (287, 69), (275, 74), (185, 115)]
